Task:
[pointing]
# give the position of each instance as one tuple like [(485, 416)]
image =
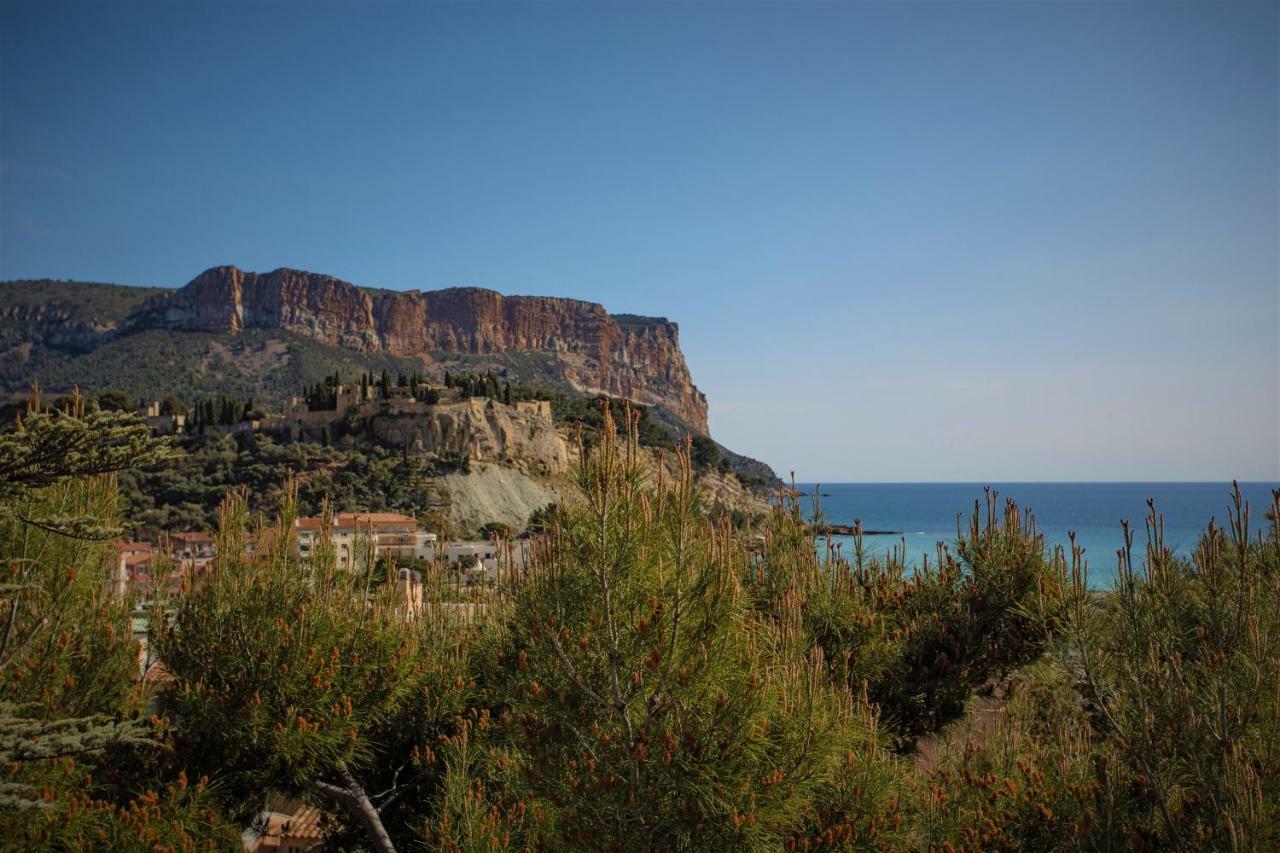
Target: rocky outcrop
[(624, 355), (55, 326), (496, 493), (485, 430), (228, 300), (519, 460)]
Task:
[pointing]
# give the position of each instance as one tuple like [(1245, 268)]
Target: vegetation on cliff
[(153, 363), (343, 465), (185, 493)]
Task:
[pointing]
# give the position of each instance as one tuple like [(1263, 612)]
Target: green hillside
[(153, 363), (83, 300)]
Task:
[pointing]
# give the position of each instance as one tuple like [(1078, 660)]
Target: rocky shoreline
[(847, 530)]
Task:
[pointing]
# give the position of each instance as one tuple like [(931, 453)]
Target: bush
[(84, 768), (920, 644), (643, 701), (308, 681), (1181, 669), (496, 530), (1153, 725)]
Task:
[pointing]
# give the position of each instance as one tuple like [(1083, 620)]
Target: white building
[(482, 561)]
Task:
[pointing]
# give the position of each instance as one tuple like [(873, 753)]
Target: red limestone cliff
[(627, 356)]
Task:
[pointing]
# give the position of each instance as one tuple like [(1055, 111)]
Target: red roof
[(357, 519), (348, 518), (133, 546), (301, 826)]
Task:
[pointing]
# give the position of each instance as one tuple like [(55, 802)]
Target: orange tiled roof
[(192, 536), (356, 519), (303, 824), (157, 674), (373, 518)]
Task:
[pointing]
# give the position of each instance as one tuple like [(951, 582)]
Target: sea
[(919, 515)]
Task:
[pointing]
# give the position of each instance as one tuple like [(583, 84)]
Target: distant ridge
[(573, 344)]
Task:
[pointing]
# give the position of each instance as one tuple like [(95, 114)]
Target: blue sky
[(907, 241)]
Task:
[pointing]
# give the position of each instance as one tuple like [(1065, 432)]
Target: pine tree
[(330, 695), (1189, 709), (49, 448), (646, 703), (74, 740)]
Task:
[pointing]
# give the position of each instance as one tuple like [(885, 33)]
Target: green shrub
[(643, 702), (1154, 725), (920, 643), (1181, 669)]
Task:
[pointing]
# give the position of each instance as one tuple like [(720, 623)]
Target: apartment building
[(192, 551), (354, 534)]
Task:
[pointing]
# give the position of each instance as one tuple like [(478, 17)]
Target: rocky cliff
[(485, 430), (595, 352), (520, 461)]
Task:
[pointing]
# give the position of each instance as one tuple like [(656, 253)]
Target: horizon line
[(1035, 482)]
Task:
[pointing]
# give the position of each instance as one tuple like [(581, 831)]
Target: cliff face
[(227, 300), (634, 357), (520, 460), (485, 430)]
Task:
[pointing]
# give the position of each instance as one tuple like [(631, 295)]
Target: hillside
[(456, 464), (264, 336), (48, 330)]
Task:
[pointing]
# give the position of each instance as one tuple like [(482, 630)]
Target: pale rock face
[(485, 430), (632, 357)]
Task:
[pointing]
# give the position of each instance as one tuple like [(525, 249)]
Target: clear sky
[(911, 241)]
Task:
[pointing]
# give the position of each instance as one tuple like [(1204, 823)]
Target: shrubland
[(185, 493), (651, 679)]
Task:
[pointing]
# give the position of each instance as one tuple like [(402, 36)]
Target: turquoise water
[(925, 513)]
